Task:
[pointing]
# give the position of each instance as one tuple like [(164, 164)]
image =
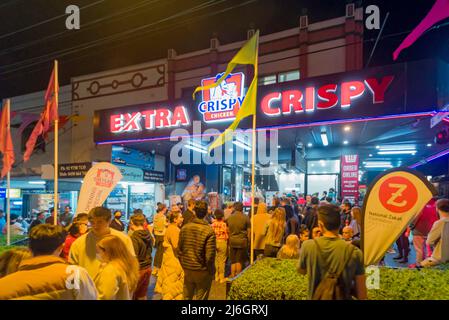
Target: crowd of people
[(186, 249)]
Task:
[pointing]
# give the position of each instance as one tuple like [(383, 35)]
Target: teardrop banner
[(393, 200), (98, 183)]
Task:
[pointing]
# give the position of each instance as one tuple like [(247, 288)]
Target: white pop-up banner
[(97, 185)]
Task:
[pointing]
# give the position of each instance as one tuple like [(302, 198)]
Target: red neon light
[(153, 119), (299, 125), (277, 103)]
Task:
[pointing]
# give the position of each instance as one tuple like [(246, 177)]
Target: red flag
[(49, 115), (438, 12), (6, 146)]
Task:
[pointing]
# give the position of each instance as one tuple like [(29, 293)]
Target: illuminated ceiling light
[(347, 128), (309, 144), (195, 148), (324, 138), (429, 144), (345, 142), (397, 147), (241, 145), (279, 147), (412, 152), (370, 155), (36, 182), (231, 150), (377, 147)]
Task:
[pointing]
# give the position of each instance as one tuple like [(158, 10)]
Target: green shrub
[(4, 247), (275, 279)]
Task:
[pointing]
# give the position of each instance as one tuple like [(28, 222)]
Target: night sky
[(106, 39)]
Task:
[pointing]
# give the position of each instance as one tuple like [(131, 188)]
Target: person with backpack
[(159, 227), (334, 268)]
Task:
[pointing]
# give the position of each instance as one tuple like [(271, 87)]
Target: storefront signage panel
[(153, 176), (350, 177), (74, 170), (132, 158), (382, 91)]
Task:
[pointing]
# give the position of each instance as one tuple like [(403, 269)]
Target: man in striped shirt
[(196, 252)]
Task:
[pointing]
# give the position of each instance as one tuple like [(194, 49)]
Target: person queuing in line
[(143, 246), (438, 236), (275, 203), (228, 210), (256, 204), (11, 259), (304, 235), (345, 215), (66, 217), (356, 223), (45, 276), (311, 218), (420, 229), (260, 220), (180, 206), (118, 275), (316, 233), (51, 217), (188, 215), (239, 234), (75, 231), (83, 251), (403, 245), (23, 224), (222, 235), (330, 254), (347, 234), (274, 230), (15, 227), (170, 280), (196, 252), (117, 223), (2, 220), (290, 250), (323, 198), (293, 222), (159, 228)]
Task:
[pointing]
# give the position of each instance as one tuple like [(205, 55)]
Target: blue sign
[(131, 174), (132, 158), (2, 193)]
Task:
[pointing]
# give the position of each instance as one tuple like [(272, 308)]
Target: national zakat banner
[(97, 185), (393, 200), (350, 177)]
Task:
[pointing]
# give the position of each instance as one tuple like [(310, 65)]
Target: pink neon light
[(431, 158), (299, 125)]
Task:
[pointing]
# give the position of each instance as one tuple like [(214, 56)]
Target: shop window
[(288, 76), (323, 166), (266, 80)]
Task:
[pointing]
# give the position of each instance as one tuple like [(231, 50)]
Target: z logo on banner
[(400, 189)]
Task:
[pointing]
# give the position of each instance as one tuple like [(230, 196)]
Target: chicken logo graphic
[(222, 102), (104, 178)]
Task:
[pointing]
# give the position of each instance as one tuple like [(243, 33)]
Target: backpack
[(331, 286)]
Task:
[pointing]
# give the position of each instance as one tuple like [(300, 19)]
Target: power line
[(45, 21), (64, 52), (86, 26)]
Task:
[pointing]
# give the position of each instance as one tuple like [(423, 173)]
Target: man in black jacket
[(143, 246), (40, 219), (189, 214), (196, 252)]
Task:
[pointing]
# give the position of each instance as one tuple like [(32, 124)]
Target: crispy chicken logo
[(104, 178), (222, 102)]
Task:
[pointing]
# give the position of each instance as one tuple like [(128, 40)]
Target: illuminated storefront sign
[(396, 90), (324, 97), (149, 120), (222, 102)]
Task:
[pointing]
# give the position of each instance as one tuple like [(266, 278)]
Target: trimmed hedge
[(3, 246), (276, 279)]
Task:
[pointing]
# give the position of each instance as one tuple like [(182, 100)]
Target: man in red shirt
[(421, 228)]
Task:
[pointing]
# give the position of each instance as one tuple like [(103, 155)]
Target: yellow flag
[(248, 54)]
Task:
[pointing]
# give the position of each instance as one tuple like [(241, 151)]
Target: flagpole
[(56, 146), (8, 186), (253, 165)]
